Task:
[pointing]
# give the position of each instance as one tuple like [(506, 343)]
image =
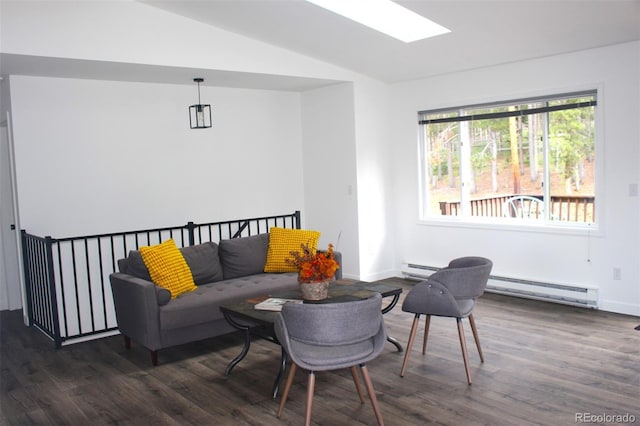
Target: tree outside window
[(531, 161)]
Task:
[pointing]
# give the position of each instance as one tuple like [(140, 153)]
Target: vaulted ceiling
[(483, 33)]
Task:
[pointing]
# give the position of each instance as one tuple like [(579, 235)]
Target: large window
[(529, 161)]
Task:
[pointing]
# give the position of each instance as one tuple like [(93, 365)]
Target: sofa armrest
[(136, 306), (338, 256)]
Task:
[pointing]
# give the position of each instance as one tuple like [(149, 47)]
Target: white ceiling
[(483, 33), (11, 64)]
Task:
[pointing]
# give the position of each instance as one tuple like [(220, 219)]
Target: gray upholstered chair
[(449, 292), (321, 337)]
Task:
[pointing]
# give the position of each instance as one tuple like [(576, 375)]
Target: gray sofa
[(229, 271)]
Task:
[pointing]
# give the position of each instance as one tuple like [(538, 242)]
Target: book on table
[(274, 304)]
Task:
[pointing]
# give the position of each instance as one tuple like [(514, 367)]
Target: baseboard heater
[(584, 296)]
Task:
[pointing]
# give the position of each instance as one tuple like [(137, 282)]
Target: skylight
[(385, 16)]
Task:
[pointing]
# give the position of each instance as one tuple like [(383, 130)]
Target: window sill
[(498, 224)]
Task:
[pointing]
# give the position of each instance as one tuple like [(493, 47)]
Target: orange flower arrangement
[(314, 266)]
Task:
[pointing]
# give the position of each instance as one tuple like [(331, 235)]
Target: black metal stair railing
[(67, 279), (40, 285)]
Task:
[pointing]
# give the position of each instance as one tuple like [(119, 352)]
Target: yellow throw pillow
[(282, 241), (168, 268)]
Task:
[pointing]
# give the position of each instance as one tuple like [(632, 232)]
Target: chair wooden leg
[(356, 380), (127, 342), (154, 358), (310, 385), (427, 322), (287, 387), (475, 336), (372, 394), (463, 345), (412, 336)]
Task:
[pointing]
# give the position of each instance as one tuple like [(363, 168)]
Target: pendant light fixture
[(199, 114)]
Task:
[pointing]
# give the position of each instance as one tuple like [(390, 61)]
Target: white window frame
[(465, 219)]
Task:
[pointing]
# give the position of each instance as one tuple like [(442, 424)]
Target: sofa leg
[(127, 342), (154, 358)]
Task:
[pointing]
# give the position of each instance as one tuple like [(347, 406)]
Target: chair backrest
[(465, 277), (523, 207), (333, 324)]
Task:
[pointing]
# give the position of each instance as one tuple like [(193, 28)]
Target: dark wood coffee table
[(243, 316)]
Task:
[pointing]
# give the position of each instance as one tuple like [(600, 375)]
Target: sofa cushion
[(168, 267), (204, 262), (203, 304), (282, 241), (243, 256)]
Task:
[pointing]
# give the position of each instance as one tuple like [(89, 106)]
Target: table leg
[(283, 367), (245, 348), (386, 309), (391, 304), (395, 342)]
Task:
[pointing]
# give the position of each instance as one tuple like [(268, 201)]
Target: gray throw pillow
[(204, 262), (244, 256), (134, 265)]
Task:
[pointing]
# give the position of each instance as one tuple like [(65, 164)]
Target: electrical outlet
[(617, 274)]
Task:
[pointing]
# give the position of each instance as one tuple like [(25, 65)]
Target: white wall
[(104, 156), (10, 294), (564, 257), (348, 177), (107, 137), (374, 147), (330, 181)]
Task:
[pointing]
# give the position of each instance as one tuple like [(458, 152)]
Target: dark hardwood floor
[(544, 364)]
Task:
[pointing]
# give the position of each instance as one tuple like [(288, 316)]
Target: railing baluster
[(89, 283), (563, 208)]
